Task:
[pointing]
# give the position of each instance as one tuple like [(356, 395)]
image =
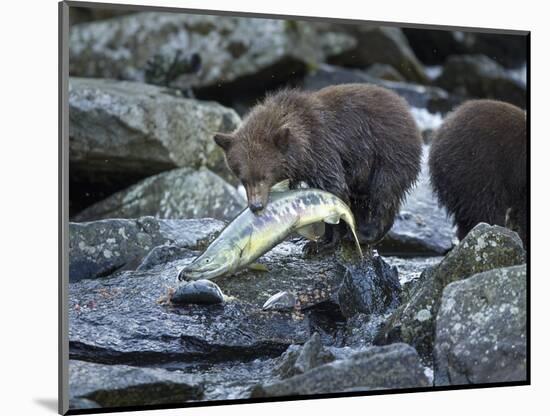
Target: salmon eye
[(207, 260)]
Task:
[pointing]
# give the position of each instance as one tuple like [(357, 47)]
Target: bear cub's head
[(259, 159)]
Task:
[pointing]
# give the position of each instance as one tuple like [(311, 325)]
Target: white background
[(28, 256)]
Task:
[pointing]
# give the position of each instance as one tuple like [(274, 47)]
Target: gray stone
[(177, 194), (100, 248), (300, 359), (282, 301), (121, 385), (484, 248), (231, 48), (120, 131), (379, 44), (384, 71), (481, 329), (480, 76), (198, 292), (390, 367)]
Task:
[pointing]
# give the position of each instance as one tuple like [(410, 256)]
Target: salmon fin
[(282, 186), (257, 267), (332, 219), (312, 232)]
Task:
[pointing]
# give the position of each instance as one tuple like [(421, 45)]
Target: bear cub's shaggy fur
[(478, 165), (357, 141)]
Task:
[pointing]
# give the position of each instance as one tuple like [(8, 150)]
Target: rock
[(384, 71), (390, 367), (120, 132), (480, 76), (98, 249), (510, 51), (481, 329), (300, 359), (370, 288), (121, 385), (434, 99), (422, 227), (176, 194), (162, 254), (484, 248), (125, 319), (282, 301), (198, 292), (235, 51), (379, 44), (432, 47)]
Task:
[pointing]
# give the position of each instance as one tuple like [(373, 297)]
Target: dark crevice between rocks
[(204, 354)]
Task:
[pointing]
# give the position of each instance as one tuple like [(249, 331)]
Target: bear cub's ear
[(223, 140), (282, 139)]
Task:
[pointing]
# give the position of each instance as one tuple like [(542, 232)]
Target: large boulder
[(391, 367), (233, 50), (379, 44), (484, 248), (434, 99), (99, 248), (123, 131), (481, 329), (482, 77), (422, 227), (122, 385), (177, 194)]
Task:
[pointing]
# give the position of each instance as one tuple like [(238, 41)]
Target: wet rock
[(198, 292), (480, 76), (300, 359), (481, 329), (313, 281), (82, 404), (371, 287), (99, 248), (379, 44), (509, 51), (162, 254), (432, 98), (250, 52), (383, 71), (177, 194), (123, 319), (121, 385), (484, 248), (120, 132), (422, 227), (282, 301), (390, 367)]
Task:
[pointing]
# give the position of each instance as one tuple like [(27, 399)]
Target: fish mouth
[(189, 274)]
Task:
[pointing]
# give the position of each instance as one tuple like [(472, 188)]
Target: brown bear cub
[(356, 141), (478, 164)]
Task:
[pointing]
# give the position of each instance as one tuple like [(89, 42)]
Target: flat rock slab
[(99, 248), (125, 319), (121, 385), (391, 367), (481, 329)]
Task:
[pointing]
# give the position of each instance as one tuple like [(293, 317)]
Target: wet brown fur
[(478, 164), (356, 141)]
